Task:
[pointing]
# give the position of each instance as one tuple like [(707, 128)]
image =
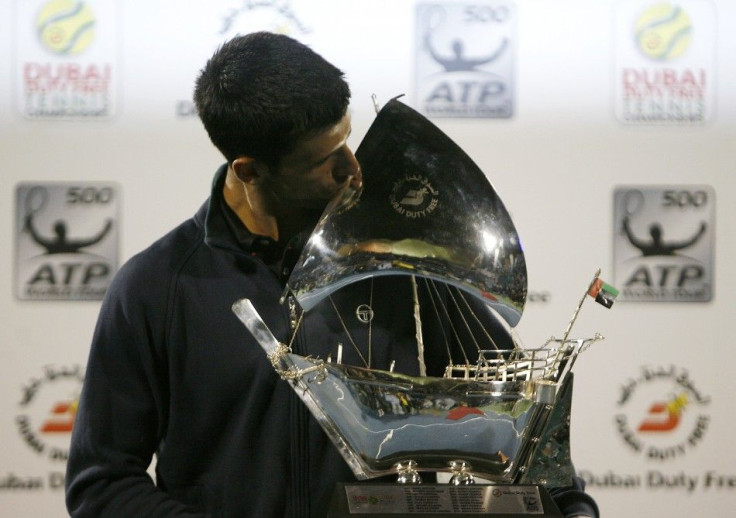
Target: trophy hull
[(389, 419), (507, 432)]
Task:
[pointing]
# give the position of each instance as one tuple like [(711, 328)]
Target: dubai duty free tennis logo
[(464, 54), (665, 62), (66, 59)]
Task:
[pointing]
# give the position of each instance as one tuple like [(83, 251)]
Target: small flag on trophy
[(602, 293)]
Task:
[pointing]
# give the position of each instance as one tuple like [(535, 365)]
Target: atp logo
[(66, 241), (465, 59), (662, 413), (664, 243)]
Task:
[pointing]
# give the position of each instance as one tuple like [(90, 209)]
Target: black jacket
[(172, 371)]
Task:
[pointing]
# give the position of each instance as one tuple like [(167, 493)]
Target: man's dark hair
[(262, 92)]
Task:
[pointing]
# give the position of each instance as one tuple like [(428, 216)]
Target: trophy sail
[(426, 210)]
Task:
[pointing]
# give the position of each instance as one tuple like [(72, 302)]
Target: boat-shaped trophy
[(429, 240)]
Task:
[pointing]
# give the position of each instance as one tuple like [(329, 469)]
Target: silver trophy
[(465, 400)]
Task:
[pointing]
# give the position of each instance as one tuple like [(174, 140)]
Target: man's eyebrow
[(327, 157)]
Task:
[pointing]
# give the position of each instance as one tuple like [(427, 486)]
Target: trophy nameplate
[(364, 500)]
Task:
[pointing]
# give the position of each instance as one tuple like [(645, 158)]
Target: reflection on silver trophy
[(462, 396)]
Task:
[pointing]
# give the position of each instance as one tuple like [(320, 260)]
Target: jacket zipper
[(300, 422)]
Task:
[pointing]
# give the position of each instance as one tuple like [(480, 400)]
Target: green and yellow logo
[(663, 32), (65, 26)]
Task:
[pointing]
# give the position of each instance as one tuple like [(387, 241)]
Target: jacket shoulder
[(155, 267)]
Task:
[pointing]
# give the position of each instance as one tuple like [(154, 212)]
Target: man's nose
[(349, 167)]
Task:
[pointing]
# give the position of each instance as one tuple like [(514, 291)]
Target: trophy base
[(440, 500)]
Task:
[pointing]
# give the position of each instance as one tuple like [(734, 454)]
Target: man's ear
[(247, 169)]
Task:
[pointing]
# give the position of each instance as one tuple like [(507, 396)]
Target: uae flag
[(602, 293)]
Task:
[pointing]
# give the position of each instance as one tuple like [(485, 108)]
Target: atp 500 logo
[(67, 240), (662, 413), (664, 240), (465, 59)]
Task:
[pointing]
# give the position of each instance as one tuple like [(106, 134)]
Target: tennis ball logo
[(66, 26), (663, 32)]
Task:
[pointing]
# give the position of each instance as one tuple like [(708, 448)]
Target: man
[(172, 371)]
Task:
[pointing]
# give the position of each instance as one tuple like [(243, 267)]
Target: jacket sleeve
[(121, 412), (573, 501)]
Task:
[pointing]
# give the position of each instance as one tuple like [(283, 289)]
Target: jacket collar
[(223, 228)]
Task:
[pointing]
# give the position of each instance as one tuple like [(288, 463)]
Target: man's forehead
[(324, 142)]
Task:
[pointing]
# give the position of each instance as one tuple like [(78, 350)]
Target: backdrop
[(607, 128)]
